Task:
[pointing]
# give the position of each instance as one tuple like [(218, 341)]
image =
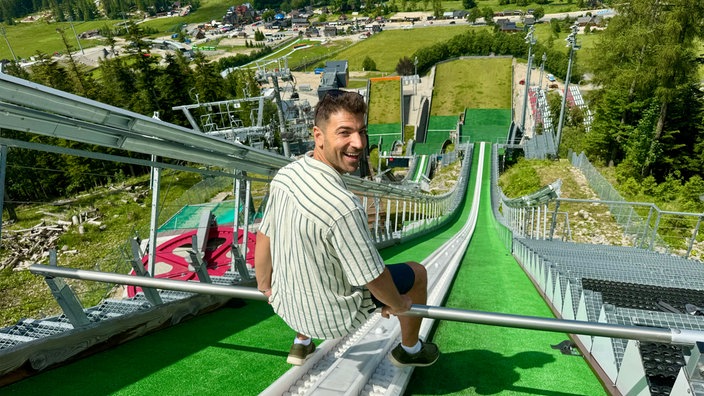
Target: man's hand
[(387, 311)]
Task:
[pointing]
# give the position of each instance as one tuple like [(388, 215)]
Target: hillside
[(116, 213), (594, 222)]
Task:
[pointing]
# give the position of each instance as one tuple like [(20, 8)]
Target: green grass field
[(483, 83), (385, 102), (306, 59), (387, 47), (28, 38), (478, 87)]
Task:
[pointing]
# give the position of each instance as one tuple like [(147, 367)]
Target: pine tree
[(647, 53)]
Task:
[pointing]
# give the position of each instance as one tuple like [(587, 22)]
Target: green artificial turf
[(226, 352), (389, 133), (489, 360), (486, 125)]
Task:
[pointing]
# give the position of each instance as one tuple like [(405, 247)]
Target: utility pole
[(530, 39), (540, 86), (572, 44), (70, 21), (4, 34), (542, 70)]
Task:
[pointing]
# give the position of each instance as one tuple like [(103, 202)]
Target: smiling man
[(314, 257)]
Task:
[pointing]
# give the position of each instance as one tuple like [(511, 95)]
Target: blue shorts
[(403, 277)]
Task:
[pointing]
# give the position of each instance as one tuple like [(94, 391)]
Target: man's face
[(340, 141)]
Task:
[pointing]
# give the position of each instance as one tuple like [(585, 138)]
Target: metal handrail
[(642, 333)]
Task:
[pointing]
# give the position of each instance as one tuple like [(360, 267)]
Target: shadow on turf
[(249, 349), (486, 372)]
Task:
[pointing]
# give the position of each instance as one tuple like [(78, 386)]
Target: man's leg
[(301, 338), (411, 351), (410, 326)]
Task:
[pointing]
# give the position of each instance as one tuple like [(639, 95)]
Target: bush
[(368, 64), (520, 180)]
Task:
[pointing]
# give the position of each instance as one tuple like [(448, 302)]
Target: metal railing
[(654, 334)]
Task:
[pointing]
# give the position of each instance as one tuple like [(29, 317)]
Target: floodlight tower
[(530, 39), (262, 76), (572, 44), (415, 73)]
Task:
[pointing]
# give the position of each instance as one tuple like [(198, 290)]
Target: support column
[(3, 171), (153, 223)]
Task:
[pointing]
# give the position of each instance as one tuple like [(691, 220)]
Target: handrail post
[(554, 219), (694, 236)]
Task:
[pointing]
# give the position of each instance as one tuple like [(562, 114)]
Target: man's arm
[(262, 263), (384, 289)]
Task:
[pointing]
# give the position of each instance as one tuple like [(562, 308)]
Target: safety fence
[(610, 220), (645, 224)]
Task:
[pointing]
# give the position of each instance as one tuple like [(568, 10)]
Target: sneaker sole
[(402, 365), (296, 361)]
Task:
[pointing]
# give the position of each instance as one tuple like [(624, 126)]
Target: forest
[(648, 110), (83, 10)]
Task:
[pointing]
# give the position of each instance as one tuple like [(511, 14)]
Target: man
[(314, 257)]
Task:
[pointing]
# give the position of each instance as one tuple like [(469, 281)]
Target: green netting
[(388, 132), (485, 125)]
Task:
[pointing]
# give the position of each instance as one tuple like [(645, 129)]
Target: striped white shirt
[(322, 254)]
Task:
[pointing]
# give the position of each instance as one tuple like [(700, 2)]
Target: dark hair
[(336, 100)]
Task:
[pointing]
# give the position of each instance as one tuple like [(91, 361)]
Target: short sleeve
[(265, 224)]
